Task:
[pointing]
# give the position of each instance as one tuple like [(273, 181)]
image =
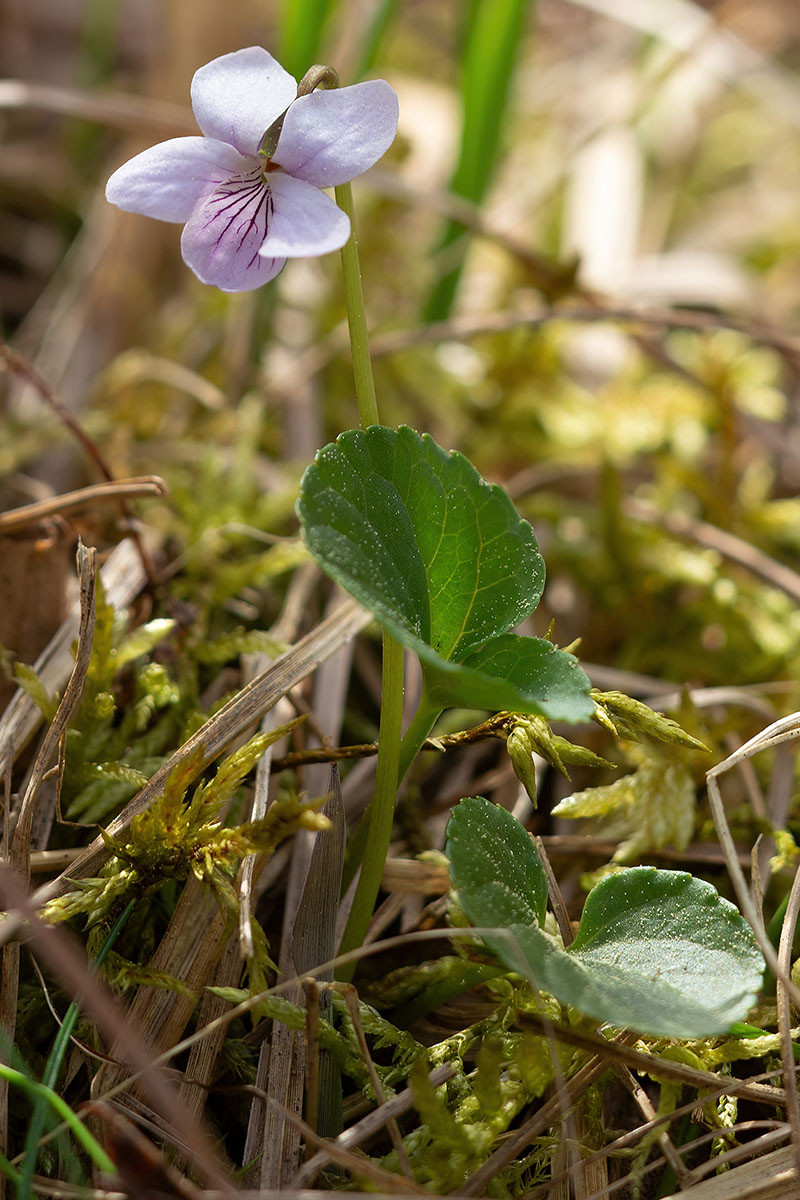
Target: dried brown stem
[(661, 1068), (785, 1017), (367, 1127), (603, 309), (776, 574), (361, 1167), (351, 1000), (28, 514), (16, 363)]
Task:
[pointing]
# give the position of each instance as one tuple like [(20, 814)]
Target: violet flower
[(245, 214)]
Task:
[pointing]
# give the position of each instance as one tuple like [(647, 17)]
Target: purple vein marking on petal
[(243, 191)]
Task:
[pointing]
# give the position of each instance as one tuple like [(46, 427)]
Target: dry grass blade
[(785, 1017), (361, 1167), (123, 578), (118, 489), (232, 719), (366, 1128), (65, 960), (189, 951), (771, 1177), (411, 877), (314, 932), (69, 702), (203, 1054), (784, 730), (307, 942), (731, 547), (119, 111), (284, 1060), (286, 1063), (258, 808), (313, 942), (17, 852), (663, 1068), (285, 629)]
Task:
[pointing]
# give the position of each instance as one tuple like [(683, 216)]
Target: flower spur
[(244, 213)]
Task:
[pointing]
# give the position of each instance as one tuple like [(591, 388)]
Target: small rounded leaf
[(656, 951), (494, 865)]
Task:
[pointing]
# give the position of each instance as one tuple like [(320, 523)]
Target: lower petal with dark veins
[(222, 238)]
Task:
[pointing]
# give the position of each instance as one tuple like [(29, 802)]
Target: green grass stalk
[(63, 1110), (492, 37), (50, 1076), (303, 24), (381, 810), (384, 14), (421, 725), (9, 1171), (357, 317)]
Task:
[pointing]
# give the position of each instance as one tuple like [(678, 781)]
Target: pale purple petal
[(169, 180), (303, 221), (237, 97), (330, 137), (222, 239)]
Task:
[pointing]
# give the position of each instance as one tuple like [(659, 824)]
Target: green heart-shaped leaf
[(657, 951), (501, 875), (522, 674), (444, 561)]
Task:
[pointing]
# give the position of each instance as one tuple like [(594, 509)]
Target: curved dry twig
[(784, 730), (785, 1017)]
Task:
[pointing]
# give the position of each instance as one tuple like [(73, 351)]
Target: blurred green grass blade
[(98, 42), (493, 30), (302, 27), (377, 29), (7, 1170), (63, 1110), (471, 10), (53, 1066)]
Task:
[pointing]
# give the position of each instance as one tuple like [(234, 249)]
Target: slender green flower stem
[(8, 1170), (79, 1130), (357, 317), (53, 1066), (398, 755), (414, 737), (381, 810), (412, 742)]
